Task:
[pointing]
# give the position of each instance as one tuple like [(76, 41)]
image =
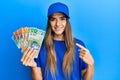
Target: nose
[(58, 22)]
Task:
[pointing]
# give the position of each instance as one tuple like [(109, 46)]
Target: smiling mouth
[(58, 28)]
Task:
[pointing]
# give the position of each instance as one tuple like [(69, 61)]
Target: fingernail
[(76, 43), (21, 60)]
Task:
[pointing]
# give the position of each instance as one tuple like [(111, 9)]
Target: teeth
[(58, 28)]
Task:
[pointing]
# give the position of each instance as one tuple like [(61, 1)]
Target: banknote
[(35, 38), (29, 37)]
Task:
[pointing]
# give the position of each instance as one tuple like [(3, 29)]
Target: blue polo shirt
[(60, 49)]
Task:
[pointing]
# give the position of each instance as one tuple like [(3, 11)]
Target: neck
[(58, 37)]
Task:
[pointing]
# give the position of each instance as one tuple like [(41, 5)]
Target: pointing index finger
[(80, 46)]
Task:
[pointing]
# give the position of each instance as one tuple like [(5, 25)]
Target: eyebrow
[(63, 16)]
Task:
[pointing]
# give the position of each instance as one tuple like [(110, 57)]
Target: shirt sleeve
[(82, 63), (37, 60)]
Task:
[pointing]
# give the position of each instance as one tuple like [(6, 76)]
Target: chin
[(58, 33)]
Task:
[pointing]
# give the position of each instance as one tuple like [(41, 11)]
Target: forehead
[(58, 14)]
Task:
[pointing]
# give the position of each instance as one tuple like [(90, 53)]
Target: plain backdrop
[(96, 22)]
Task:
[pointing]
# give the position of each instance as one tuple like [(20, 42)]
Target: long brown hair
[(69, 54)]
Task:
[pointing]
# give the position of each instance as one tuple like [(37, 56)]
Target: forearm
[(36, 73), (89, 72)]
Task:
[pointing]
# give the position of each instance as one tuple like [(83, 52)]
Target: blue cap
[(58, 7)]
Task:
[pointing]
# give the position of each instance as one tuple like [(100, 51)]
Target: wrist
[(32, 67)]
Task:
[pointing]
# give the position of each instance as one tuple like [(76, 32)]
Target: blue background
[(96, 22)]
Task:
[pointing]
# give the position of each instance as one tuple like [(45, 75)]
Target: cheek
[(52, 24), (64, 24)]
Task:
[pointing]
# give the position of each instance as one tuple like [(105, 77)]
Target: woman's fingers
[(31, 58), (27, 56), (85, 55), (80, 46), (24, 53)]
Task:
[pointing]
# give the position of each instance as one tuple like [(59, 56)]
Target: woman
[(62, 57)]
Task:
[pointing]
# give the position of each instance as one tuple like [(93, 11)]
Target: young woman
[(62, 57)]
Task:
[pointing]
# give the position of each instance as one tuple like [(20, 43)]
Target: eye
[(63, 18), (52, 19)]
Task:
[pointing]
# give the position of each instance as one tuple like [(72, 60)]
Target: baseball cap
[(58, 7)]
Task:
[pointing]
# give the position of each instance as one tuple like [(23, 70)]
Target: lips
[(58, 29)]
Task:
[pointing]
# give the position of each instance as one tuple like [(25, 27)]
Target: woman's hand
[(28, 57), (85, 55), (28, 60)]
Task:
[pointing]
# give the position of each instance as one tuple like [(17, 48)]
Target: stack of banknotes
[(29, 37)]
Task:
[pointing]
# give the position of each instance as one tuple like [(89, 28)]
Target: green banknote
[(35, 38)]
